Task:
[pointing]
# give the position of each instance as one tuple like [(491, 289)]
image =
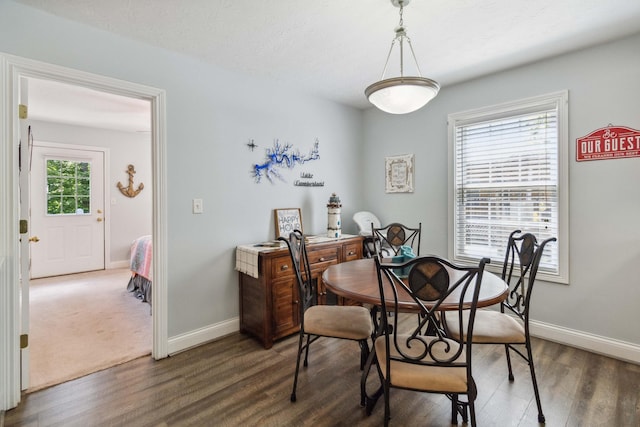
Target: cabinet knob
[(322, 259), (284, 267), (352, 253)]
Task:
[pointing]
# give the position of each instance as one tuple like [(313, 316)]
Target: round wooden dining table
[(358, 281)]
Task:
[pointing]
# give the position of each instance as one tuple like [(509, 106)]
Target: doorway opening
[(14, 333), (77, 224)]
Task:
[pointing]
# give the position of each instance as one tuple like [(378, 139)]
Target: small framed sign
[(287, 220), (611, 142), (399, 174)]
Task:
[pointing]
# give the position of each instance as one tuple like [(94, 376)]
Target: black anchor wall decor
[(130, 191)]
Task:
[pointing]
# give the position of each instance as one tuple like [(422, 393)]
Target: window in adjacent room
[(509, 171), (68, 187)]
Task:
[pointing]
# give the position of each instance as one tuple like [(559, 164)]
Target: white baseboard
[(119, 264), (617, 349), (203, 335)]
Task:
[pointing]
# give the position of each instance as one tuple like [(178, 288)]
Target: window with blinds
[(506, 177)]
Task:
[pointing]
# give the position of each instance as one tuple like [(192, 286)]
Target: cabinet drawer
[(321, 256), (282, 267), (352, 251)]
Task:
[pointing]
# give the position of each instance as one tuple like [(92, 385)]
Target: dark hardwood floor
[(235, 382)]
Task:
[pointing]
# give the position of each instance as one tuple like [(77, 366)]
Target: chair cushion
[(490, 327), (338, 321), (422, 377)]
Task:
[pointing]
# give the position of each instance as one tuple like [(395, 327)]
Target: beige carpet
[(83, 323)]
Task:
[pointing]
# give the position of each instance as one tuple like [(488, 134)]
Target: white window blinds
[(506, 178)]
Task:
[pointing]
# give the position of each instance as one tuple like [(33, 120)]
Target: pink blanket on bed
[(141, 251)]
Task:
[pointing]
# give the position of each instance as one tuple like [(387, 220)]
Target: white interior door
[(24, 176), (67, 210)]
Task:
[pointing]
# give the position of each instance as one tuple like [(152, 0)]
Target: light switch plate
[(197, 206)]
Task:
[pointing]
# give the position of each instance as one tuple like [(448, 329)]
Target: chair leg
[(459, 407), (370, 400), (454, 409), (541, 418), (295, 377), (471, 403), (506, 349), (472, 412), (364, 353), (387, 409), (364, 398), (306, 354)]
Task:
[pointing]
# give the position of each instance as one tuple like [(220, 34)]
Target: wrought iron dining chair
[(391, 237), (510, 325), (426, 361), (388, 240), (345, 322)]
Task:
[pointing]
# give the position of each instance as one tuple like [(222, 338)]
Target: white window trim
[(561, 100)]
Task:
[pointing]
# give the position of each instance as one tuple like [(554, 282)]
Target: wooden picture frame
[(399, 174), (287, 220)]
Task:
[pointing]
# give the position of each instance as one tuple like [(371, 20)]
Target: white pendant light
[(403, 94)]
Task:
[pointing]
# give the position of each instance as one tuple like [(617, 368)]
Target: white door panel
[(25, 139), (69, 242)]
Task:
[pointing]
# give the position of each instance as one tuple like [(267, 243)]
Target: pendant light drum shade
[(402, 95)]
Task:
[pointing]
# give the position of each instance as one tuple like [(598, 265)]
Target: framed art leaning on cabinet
[(287, 220)]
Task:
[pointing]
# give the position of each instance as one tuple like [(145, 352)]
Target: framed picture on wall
[(399, 174), (287, 220)]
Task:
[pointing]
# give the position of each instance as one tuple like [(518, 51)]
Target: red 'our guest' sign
[(612, 142)]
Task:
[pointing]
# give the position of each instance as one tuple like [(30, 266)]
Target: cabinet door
[(324, 297), (286, 307)]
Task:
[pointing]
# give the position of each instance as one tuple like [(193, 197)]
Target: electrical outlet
[(197, 206)]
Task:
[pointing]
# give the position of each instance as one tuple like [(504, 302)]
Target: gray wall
[(211, 116), (604, 196)]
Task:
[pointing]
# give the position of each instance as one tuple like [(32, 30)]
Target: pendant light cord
[(401, 35)]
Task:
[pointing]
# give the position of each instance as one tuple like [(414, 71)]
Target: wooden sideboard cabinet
[(269, 304)]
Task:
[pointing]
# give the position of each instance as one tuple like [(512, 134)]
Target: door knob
[(34, 239), (99, 211), (99, 219)]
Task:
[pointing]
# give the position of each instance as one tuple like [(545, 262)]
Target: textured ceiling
[(334, 49)]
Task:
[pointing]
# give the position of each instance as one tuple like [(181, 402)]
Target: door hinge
[(23, 111), (24, 341), (24, 226)]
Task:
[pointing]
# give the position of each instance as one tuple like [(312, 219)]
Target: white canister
[(334, 224)]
